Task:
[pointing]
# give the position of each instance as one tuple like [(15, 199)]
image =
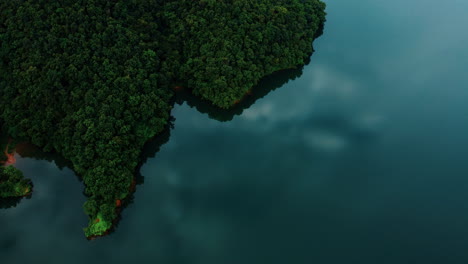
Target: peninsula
[(13, 183), (94, 80)]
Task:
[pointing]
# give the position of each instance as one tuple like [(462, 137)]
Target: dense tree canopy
[(13, 183), (228, 46), (93, 79)]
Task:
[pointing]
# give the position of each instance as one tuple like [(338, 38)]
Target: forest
[(94, 80), (12, 183)]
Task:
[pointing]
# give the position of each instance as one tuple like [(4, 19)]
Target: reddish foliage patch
[(10, 157)]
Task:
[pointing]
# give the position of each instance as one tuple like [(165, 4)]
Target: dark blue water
[(362, 159)]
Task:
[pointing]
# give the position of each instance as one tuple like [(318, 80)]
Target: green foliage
[(83, 79), (92, 79), (97, 226), (12, 183), (228, 46)]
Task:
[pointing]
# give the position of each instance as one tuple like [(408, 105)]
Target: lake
[(359, 157)]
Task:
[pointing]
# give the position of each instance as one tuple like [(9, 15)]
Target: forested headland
[(13, 183), (93, 80)]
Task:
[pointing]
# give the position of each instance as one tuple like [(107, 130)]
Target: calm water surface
[(362, 159)]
